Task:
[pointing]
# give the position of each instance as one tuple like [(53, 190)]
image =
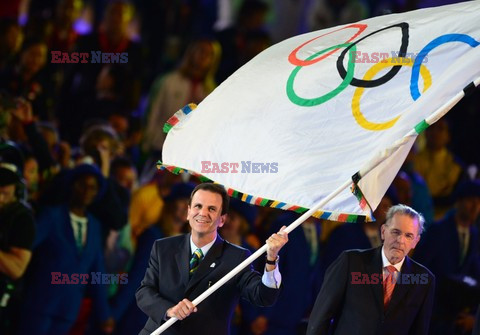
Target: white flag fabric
[(311, 112)]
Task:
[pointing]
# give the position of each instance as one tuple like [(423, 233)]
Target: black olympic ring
[(390, 74)]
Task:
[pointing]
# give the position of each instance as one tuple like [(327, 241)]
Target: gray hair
[(408, 211)]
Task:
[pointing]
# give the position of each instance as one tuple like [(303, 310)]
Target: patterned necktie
[(388, 285), (195, 261)]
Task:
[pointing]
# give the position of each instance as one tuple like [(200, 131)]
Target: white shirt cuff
[(272, 279)]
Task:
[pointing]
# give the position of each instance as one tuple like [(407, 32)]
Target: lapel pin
[(212, 265)]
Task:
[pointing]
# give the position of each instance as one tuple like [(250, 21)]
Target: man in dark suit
[(171, 283), (381, 290)]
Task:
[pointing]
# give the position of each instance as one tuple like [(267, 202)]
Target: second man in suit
[(380, 290)]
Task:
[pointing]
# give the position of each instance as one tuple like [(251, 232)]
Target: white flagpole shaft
[(449, 104), (255, 255)]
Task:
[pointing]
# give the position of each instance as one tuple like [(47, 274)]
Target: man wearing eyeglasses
[(380, 290)]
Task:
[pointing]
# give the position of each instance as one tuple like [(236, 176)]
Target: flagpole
[(452, 102), (255, 255)]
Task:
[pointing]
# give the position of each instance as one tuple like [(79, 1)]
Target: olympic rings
[(390, 74), (348, 75), (292, 58), (319, 100), (414, 92), (357, 114)]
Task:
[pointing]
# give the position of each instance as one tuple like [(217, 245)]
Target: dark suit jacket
[(167, 282), (358, 308)]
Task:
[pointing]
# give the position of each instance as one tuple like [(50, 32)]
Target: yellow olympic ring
[(357, 114)]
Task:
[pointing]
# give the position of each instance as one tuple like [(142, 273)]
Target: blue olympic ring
[(414, 91)]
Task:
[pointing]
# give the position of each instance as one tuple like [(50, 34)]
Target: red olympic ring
[(292, 58)]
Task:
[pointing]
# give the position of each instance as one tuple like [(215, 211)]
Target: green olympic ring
[(319, 100)]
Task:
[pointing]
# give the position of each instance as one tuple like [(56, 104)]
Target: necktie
[(79, 237), (311, 237), (195, 260), (388, 285)]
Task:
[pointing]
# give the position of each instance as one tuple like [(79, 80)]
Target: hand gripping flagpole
[(362, 172), (255, 255)]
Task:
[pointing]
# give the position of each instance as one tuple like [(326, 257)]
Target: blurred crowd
[(80, 192)]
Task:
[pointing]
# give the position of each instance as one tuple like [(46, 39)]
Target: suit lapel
[(182, 257), (375, 266), (208, 264)]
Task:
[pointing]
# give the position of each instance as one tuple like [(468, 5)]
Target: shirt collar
[(386, 262), (76, 218), (205, 248), (463, 229)]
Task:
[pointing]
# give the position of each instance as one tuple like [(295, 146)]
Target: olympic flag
[(308, 113)]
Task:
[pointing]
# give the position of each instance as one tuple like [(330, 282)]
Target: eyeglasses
[(396, 233)]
